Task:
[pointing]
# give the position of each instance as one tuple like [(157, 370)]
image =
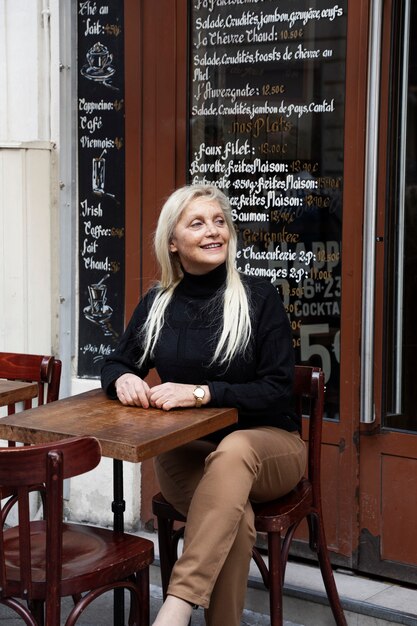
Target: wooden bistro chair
[(33, 368), (280, 518), (42, 561)]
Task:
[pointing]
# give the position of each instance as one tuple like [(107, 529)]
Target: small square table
[(12, 391)]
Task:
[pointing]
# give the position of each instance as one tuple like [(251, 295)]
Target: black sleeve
[(128, 352), (271, 389)]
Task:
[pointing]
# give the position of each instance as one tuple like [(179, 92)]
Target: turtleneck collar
[(203, 285)]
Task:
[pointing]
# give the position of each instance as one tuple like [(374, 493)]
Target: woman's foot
[(174, 612)]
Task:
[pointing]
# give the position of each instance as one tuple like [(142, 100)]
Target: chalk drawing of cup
[(98, 311), (97, 299), (98, 175), (99, 57)]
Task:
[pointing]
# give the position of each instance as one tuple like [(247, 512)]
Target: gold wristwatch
[(199, 394)]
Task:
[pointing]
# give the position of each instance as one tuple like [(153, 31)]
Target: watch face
[(199, 393)]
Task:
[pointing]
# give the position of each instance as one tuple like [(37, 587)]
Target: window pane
[(400, 349), (266, 125)]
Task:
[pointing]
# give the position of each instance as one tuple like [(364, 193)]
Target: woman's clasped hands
[(131, 390)]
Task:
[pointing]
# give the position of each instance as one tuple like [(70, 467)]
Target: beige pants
[(213, 488)]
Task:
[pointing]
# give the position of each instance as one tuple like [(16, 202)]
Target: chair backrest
[(34, 368), (48, 464), (309, 398)]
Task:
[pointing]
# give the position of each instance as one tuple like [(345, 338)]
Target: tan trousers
[(213, 488)]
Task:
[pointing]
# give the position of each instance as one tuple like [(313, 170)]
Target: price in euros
[(322, 202), (291, 34), (273, 148), (303, 166), (272, 90)]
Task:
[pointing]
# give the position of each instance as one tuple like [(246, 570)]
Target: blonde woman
[(216, 338)]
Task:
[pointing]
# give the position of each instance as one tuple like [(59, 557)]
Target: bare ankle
[(174, 612)]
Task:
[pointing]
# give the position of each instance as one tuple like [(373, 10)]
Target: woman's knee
[(236, 454)]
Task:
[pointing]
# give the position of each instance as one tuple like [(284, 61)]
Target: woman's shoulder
[(152, 292), (146, 300)]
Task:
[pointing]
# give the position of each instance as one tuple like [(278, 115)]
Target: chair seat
[(278, 515), (91, 557), (162, 508), (271, 516)]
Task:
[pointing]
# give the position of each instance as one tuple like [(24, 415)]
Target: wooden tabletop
[(125, 433), (12, 391)]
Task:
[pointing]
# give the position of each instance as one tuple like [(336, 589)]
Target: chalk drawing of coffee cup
[(99, 65), (98, 310), (98, 174), (99, 57), (97, 299)]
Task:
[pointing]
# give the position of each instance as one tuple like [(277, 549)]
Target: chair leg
[(142, 586), (275, 579), (37, 608), (167, 551), (261, 565), (326, 569)]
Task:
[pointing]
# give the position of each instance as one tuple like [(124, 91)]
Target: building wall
[(26, 250), (28, 199)]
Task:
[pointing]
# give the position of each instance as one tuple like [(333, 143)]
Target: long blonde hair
[(236, 331)]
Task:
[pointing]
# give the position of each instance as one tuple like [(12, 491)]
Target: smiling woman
[(218, 338)]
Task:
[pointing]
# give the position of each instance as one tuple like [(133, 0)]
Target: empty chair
[(280, 518), (34, 368), (42, 561)]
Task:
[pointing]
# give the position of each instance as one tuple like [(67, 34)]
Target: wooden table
[(12, 391), (125, 434)]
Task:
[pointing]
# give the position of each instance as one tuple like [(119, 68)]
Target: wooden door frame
[(352, 243), (340, 449), (134, 155)]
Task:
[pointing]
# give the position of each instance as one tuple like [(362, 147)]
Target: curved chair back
[(309, 392), (34, 368)]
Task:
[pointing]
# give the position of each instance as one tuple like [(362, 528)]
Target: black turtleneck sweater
[(258, 383)]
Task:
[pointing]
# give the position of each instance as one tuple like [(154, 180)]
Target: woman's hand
[(132, 391), (169, 396)]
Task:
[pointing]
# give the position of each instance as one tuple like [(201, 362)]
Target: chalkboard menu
[(101, 186), (266, 118)]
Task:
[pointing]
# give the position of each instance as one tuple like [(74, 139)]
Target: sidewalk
[(100, 613), (367, 602)]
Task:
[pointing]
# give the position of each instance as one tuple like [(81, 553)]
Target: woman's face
[(201, 237)]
